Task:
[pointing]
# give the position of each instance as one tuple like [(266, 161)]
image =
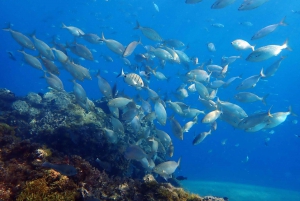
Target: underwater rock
[(58, 100), (7, 95), (33, 98), (20, 106)]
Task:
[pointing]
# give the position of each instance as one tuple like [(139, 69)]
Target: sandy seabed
[(239, 192)]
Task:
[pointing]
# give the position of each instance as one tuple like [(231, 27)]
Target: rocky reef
[(52, 127)]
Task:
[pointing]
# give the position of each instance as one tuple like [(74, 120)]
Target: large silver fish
[(160, 112), (20, 38)]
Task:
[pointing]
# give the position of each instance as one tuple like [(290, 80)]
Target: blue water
[(275, 165)]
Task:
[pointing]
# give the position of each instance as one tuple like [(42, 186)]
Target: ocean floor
[(239, 192)]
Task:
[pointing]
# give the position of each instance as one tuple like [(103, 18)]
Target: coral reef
[(53, 128)]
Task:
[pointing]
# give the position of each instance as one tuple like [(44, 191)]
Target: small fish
[(149, 33), (247, 97), (272, 132), (132, 79), (295, 121), (73, 30), (222, 4), (251, 81), (211, 117), (155, 6), (192, 1), (199, 138), (218, 25), (240, 44), (248, 24), (113, 45), (181, 178), (131, 47), (31, 60), (211, 47), (166, 169), (11, 55), (67, 170), (176, 128)]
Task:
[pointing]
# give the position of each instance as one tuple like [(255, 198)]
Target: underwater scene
[(186, 100)]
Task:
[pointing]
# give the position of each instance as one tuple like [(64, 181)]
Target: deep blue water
[(275, 165)]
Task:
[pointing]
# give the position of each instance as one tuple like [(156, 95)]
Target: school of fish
[(140, 71)]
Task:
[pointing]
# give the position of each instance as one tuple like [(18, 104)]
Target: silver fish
[(148, 32), (251, 81), (271, 70), (60, 56), (166, 169), (43, 48), (31, 60), (117, 125), (113, 45), (20, 38), (173, 43), (240, 44), (131, 47), (73, 30), (91, 38), (222, 4), (104, 86), (119, 102), (278, 118), (54, 82), (267, 30), (251, 4), (81, 51), (50, 66), (211, 47), (111, 136), (247, 97), (211, 117), (199, 138), (176, 128), (192, 1), (160, 112), (134, 152)]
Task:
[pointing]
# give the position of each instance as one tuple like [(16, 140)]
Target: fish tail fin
[(291, 111), (8, 28), (102, 37), (282, 22), (264, 99), (269, 112), (140, 41), (137, 25), (262, 73), (252, 47), (178, 163), (63, 26), (286, 46), (121, 74)]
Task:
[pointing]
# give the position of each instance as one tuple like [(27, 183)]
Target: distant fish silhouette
[(11, 55)]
